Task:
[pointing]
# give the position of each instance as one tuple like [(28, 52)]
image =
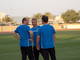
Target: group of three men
[(35, 40)]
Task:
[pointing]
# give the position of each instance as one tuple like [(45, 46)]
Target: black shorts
[(27, 51), (46, 52), (36, 53)]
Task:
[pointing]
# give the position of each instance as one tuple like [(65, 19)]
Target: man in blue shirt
[(46, 36), (35, 29), (23, 32)]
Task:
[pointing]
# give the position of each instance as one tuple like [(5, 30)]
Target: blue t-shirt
[(46, 33), (23, 31), (35, 33)]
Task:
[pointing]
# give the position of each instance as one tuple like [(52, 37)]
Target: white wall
[(72, 26)]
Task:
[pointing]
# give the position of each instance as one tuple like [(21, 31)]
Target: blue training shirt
[(35, 33), (46, 33), (23, 31)]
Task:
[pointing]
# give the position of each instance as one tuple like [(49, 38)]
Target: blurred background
[(64, 15)]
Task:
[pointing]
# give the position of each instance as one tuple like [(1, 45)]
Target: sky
[(30, 7)]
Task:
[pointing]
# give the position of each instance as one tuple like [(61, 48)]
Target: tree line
[(69, 16)]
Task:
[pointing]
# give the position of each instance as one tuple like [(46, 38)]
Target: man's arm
[(54, 34), (54, 38), (37, 42), (16, 35), (31, 35)]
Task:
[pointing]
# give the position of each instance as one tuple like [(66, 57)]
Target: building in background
[(2, 15), (58, 20), (6, 20)]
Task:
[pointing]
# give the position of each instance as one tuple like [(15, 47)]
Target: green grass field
[(67, 46)]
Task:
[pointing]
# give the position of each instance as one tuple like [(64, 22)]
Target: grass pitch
[(67, 46)]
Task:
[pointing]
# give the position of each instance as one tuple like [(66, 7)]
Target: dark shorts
[(36, 53), (27, 51), (46, 52)]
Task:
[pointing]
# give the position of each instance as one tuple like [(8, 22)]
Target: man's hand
[(37, 43), (16, 36), (31, 40), (38, 48)]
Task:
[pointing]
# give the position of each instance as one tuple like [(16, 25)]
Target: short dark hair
[(24, 19), (45, 18)]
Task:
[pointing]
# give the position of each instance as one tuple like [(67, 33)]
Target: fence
[(56, 26)]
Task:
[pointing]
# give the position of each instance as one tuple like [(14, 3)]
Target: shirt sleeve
[(16, 30), (39, 32)]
